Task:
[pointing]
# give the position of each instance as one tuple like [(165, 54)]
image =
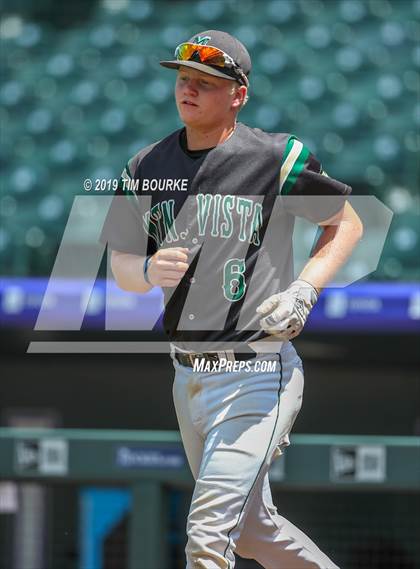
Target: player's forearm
[(333, 249), (128, 272)]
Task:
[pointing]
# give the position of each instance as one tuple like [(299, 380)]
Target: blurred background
[(81, 92)]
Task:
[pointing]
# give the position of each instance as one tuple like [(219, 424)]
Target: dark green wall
[(352, 386)]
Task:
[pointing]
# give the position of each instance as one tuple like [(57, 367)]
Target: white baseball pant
[(232, 426)]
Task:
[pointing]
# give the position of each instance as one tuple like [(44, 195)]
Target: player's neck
[(198, 139)]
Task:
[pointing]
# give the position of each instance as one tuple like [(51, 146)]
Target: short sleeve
[(306, 188), (123, 228)]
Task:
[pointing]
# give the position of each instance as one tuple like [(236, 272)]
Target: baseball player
[(207, 214)]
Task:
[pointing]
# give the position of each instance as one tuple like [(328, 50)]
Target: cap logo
[(202, 40)]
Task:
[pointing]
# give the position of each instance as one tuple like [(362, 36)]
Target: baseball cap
[(227, 44)]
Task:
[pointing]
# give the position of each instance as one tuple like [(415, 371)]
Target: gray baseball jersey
[(233, 206)]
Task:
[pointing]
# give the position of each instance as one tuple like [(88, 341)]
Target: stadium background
[(81, 92)]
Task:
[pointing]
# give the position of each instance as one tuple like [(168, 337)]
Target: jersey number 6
[(234, 280)]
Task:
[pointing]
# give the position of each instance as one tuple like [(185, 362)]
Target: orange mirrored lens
[(207, 54)]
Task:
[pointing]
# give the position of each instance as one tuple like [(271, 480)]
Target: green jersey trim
[(126, 184), (295, 156)]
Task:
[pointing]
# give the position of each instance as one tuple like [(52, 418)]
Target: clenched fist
[(286, 312), (168, 266)]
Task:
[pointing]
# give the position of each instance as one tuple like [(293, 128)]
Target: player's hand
[(168, 266), (285, 313)]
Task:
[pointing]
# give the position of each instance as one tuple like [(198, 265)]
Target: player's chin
[(190, 114)]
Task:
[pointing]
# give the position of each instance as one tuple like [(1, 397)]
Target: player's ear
[(240, 97)]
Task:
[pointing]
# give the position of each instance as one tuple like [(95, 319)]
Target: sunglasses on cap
[(209, 55)]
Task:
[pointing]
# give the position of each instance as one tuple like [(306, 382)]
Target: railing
[(147, 461)]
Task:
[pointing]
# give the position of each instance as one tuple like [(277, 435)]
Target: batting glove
[(287, 311)]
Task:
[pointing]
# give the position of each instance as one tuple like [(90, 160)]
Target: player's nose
[(191, 87)]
